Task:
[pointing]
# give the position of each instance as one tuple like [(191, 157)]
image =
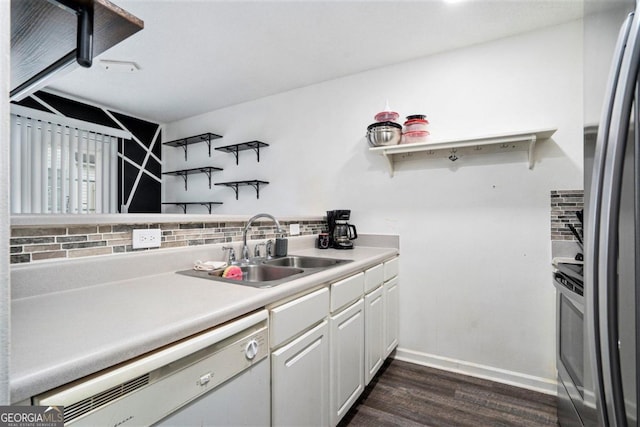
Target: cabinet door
[(373, 333), (300, 380), (391, 314), (347, 359)]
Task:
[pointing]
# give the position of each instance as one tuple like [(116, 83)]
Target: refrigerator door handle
[(592, 223), (607, 279)]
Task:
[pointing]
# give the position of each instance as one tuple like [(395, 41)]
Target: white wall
[(475, 239)]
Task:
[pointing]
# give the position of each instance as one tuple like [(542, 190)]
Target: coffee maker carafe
[(341, 233)]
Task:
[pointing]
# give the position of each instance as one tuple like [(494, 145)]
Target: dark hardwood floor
[(405, 394)]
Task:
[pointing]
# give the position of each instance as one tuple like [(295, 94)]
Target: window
[(61, 165)]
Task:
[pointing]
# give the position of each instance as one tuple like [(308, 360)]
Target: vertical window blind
[(62, 165)]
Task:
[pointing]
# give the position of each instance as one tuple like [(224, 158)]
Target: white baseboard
[(539, 384)]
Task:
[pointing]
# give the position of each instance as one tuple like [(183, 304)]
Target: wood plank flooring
[(405, 394)]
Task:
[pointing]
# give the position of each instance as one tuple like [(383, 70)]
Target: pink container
[(387, 116), (415, 126), (414, 136)]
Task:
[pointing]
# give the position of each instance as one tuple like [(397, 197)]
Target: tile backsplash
[(564, 205), (33, 243)]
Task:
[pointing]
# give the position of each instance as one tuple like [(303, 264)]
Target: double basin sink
[(272, 272)]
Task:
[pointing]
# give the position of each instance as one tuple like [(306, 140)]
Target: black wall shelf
[(236, 184), (185, 142), (184, 173), (250, 145), (183, 205)]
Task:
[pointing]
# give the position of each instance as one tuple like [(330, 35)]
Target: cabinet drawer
[(373, 278), (295, 316), (391, 268), (346, 291)]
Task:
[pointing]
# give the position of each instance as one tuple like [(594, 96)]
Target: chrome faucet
[(245, 248), (232, 254)]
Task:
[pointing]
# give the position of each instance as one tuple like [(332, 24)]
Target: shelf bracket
[(389, 158), (256, 186), (207, 205), (207, 139), (235, 152), (185, 176), (184, 147), (235, 188), (532, 145), (183, 206), (257, 150), (208, 173)]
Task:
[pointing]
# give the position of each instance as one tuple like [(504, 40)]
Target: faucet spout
[(245, 248)]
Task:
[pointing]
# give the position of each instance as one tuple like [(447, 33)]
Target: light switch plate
[(147, 238), (294, 229)]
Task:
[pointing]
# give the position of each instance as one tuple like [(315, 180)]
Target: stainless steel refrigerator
[(612, 214)]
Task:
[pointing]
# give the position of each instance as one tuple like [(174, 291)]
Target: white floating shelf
[(516, 141)]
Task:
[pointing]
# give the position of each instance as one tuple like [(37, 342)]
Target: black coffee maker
[(341, 233)]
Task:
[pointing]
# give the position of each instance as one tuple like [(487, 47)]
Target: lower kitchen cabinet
[(300, 380), (299, 339), (373, 332), (391, 314), (347, 359), (327, 345)]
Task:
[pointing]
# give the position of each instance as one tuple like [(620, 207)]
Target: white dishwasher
[(217, 378)]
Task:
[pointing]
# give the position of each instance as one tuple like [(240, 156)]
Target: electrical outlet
[(147, 238), (294, 229)]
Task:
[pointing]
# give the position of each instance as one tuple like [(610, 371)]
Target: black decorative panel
[(129, 180), (147, 197), (32, 103), (157, 148), (143, 130), (154, 167), (77, 110), (134, 152), (147, 191)]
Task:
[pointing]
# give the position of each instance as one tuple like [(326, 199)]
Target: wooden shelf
[(183, 205), (236, 184), (185, 142), (517, 141), (251, 145), (184, 173)]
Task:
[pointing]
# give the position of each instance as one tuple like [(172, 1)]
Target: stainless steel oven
[(576, 401)]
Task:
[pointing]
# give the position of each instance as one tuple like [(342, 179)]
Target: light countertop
[(69, 333)]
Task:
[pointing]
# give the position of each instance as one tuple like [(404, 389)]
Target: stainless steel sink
[(272, 272), (305, 261), (267, 273)]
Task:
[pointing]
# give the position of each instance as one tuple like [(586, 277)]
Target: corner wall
[(475, 246), (5, 306)]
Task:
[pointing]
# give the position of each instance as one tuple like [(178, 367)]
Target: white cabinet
[(299, 336), (390, 300), (328, 344), (300, 380), (373, 321), (347, 359), (373, 332)]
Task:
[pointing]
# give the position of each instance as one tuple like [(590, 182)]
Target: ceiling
[(197, 55)]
